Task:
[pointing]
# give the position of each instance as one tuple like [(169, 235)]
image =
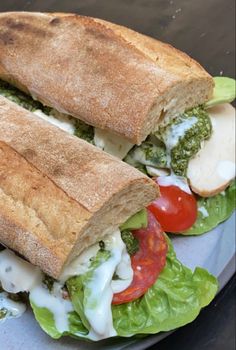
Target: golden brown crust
[(59, 194), (104, 74)]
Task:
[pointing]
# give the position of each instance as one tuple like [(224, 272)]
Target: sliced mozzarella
[(60, 120), (156, 172), (213, 167), (111, 143)]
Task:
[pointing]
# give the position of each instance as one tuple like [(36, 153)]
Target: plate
[(214, 251)]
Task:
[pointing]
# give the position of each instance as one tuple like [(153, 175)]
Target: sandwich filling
[(107, 292), (94, 269), (172, 150), (101, 271)]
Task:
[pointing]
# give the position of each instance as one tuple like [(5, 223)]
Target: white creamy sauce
[(81, 264), (54, 302), (16, 274), (176, 132), (111, 143), (98, 308), (13, 308), (174, 180), (125, 273), (203, 211), (60, 120), (226, 169)]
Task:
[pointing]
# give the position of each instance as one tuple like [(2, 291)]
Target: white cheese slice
[(111, 143), (60, 120), (213, 167)]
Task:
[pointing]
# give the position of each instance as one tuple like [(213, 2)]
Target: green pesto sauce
[(84, 131), (132, 244), (22, 99), (190, 142), (147, 154)]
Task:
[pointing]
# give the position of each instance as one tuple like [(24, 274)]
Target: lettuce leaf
[(224, 91), (47, 323), (173, 301), (77, 286), (219, 208)]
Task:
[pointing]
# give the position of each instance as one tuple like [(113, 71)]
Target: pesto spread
[(132, 244), (78, 127), (84, 131), (22, 99), (183, 137), (147, 154), (174, 144)]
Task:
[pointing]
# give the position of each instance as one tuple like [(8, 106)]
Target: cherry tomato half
[(147, 263), (175, 209)]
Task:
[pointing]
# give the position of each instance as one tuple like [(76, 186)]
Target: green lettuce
[(46, 321), (21, 98), (173, 301), (219, 208), (77, 286), (136, 221), (224, 91)]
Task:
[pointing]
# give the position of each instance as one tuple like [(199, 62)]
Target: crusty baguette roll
[(107, 75), (59, 194)]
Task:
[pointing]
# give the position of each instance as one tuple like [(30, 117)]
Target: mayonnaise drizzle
[(18, 275), (97, 307), (176, 131), (54, 302), (13, 308), (174, 180), (203, 211)]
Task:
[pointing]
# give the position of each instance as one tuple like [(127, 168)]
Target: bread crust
[(107, 75), (59, 194)]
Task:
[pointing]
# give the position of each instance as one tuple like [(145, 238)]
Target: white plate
[(214, 251)]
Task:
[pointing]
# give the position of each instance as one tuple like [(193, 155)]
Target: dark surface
[(205, 29)]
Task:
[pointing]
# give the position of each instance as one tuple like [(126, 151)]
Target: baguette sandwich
[(133, 96), (77, 241)]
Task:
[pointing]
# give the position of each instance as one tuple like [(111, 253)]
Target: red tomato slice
[(175, 210), (147, 263)]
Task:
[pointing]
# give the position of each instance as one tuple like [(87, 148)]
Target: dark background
[(205, 29)]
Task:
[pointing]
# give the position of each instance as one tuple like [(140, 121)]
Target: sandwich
[(77, 241), (132, 96)]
